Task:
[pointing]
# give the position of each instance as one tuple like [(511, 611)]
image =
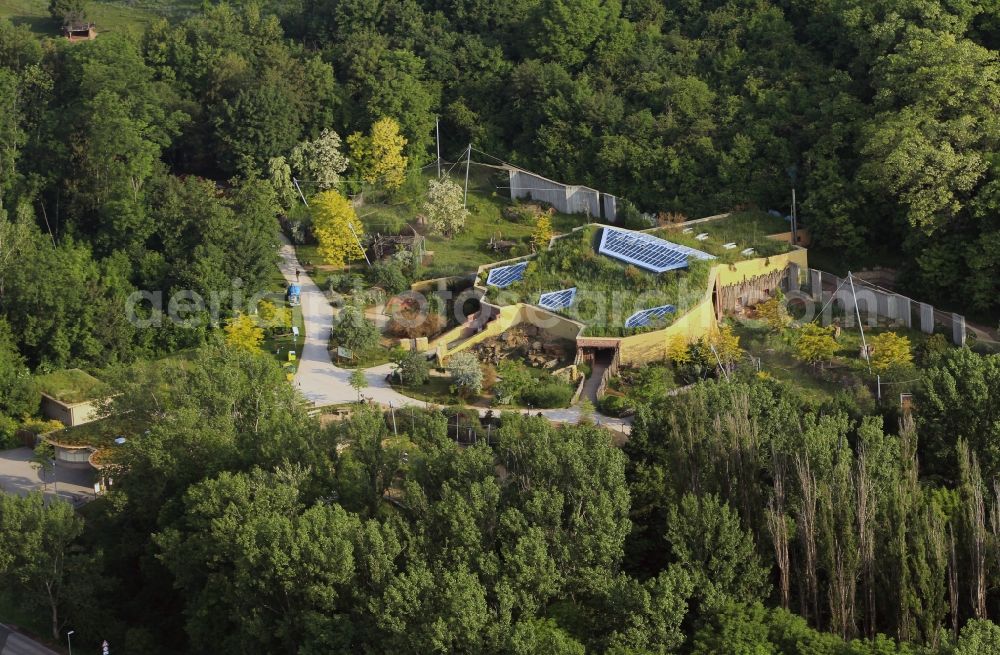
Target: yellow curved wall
[(639, 348)]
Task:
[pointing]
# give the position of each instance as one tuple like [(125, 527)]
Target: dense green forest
[(885, 114), (737, 518)]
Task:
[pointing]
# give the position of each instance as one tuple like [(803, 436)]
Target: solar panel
[(646, 316), (646, 251), (504, 276), (557, 300)]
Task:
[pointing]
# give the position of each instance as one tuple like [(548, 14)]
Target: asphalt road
[(18, 476), (13, 643)]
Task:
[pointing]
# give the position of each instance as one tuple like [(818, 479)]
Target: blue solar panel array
[(557, 300), (646, 251), (646, 316), (504, 276)]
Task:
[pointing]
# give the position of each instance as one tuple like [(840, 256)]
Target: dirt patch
[(527, 343)]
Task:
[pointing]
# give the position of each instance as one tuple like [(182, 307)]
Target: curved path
[(322, 383)]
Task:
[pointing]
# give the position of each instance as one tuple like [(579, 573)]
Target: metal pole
[(392, 410), (468, 161), (359, 244), (795, 220), (299, 189), (715, 352), (69, 640), (857, 312), (878, 383), (437, 131)]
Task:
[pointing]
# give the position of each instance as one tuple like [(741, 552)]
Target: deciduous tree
[(814, 344), (35, 549), (243, 333), (542, 233), (466, 373), (354, 332), (358, 381), (337, 228), (444, 207), (379, 157), (890, 351), (706, 538), (320, 161)]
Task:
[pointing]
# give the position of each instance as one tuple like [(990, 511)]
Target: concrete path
[(323, 383), (594, 381), (14, 643)]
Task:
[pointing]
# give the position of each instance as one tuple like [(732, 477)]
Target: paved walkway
[(18, 476), (323, 383), (14, 643)]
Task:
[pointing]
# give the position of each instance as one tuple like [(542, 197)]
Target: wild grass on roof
[(608, 290)]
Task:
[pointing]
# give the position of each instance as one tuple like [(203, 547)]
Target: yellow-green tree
[(543, 232), (727, 347), (889, 351), (272, 316), (242, 333), (378, 157), (773, 313), (815, 344), (677, 350), (337, 228)]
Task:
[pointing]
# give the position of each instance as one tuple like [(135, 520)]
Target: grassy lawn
[(281, 342), (468, 250), (375, 357), (778, 360), (745, 229), (437, 390), (71, 385), (132, 16), (462, 253), (608, 290), (777, 354)]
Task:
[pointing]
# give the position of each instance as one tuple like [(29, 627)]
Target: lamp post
[(69, 640), (792, 171)]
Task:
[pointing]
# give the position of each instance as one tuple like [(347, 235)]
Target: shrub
[(514, 379), (414, 369), (489, 376), (542, 233), (890, 351), (389, 275), (931, 351), (815, 344), (773, 313), (525, 214), (41, 426), (8, 433), (614, 405), (630, 218), (547, 395), (355, 332), (678, 351), (466, 373)]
